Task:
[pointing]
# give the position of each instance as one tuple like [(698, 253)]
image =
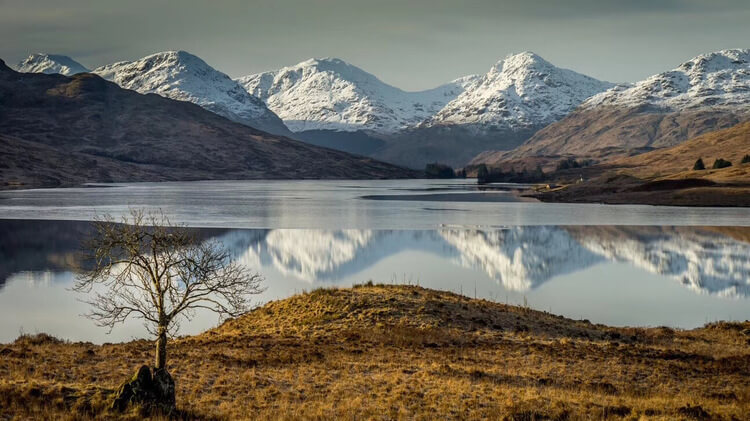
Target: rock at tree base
[(152, 388)]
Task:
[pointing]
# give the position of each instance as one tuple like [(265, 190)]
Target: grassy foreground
[(400, 352)]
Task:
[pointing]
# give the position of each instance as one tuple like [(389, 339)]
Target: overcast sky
[(413, 44)]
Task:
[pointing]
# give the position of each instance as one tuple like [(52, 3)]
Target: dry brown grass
[(400, 352), (665, 176), (677, 162)]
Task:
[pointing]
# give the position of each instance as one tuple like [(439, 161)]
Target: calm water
[(619, 265), (343, 204)]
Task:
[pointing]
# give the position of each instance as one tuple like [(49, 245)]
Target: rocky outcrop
[(149, 387)]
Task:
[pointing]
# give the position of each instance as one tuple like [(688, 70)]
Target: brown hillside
[(731, 144), (606, 133), (665, 176)]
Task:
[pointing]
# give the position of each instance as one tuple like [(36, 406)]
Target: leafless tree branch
[(146, 267)]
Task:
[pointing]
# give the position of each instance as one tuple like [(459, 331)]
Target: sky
[(412, 44)]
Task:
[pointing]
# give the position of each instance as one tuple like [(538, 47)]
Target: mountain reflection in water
[(619, 275), (706, 260), (713, 260)]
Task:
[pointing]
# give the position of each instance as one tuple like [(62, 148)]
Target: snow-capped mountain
[(520, 91), (182, 76), (450, 123), (719, 79), (707, 93), (330, 94), (50, 63)]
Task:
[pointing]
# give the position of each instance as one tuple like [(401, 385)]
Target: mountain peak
[(331, 94), (165, 59), (50, 63), (707, 81), (185, 77), (338, 67), (520, 92), (717, 60), (523, 60)]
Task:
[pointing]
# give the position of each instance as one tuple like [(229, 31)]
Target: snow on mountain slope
[(182, 76), (718, 79), (50, 63), (707, 93), (330, 94), (520, 91)]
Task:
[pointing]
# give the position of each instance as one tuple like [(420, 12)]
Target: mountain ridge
[(185, 77), (50, 63), (706, 93), (513, 79), (331, 94)]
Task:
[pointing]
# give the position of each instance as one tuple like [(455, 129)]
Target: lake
[(618, 265)]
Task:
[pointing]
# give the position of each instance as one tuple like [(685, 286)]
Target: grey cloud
[(413, 44)]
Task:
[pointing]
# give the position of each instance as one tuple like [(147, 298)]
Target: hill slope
[(731, 144), (666, 176), (395, 352), (83, 128)]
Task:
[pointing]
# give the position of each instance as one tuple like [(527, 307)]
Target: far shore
[(644, 194)]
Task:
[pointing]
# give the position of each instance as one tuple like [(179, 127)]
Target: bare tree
[(148, 268)]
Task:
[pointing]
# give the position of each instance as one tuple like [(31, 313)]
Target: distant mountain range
[(523, 108), (331, 103), (330, 94), (57, 130)]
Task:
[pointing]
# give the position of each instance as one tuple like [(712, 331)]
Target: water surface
[(619, 265), (429, 204), (617, 275)]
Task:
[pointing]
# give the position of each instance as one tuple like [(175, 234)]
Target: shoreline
[(724, 196), (710, 197), (87, 184)]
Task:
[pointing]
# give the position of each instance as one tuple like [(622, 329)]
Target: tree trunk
[(161, 348)]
